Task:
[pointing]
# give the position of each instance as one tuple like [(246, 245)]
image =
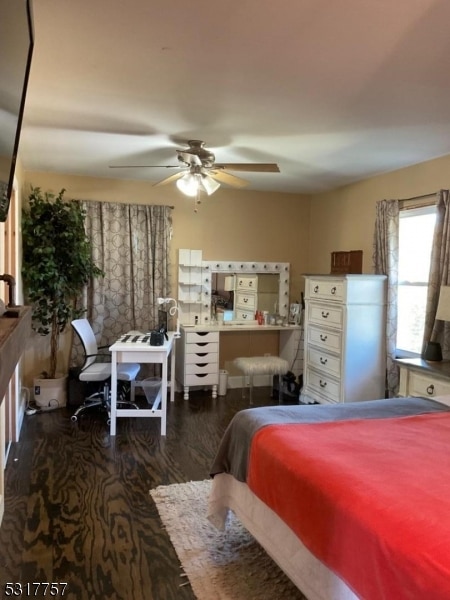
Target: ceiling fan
[(199, 171)]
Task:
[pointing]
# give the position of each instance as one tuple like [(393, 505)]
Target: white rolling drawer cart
[(198, 360), (344, 353)]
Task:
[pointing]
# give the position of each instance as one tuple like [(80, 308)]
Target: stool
[(262, 365)]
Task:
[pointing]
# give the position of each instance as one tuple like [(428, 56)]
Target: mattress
[(231, 490)]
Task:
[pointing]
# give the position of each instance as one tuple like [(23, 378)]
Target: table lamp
[(433, 351)]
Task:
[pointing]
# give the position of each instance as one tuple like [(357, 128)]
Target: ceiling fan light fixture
[(188, 184), (209, 184)]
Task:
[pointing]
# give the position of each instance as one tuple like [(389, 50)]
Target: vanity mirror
[(256, 286), (245, 294)]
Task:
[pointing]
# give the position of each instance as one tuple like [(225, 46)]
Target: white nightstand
[(421, 378)]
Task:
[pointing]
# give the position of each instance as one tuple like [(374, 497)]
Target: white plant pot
[(50, 394)]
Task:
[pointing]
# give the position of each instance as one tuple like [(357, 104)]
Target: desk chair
[(94, 371)]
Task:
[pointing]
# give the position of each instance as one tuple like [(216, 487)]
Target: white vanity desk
[(206, 347), (198, 351)]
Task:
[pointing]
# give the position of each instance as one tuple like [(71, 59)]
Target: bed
[(352, 501)]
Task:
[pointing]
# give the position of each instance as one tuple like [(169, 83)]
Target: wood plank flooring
[(78, 508)]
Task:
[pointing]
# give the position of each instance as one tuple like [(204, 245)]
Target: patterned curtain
[(385, 261), (131, 244), (439, 331)]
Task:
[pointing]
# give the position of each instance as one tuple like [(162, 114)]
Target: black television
[(16, 49)]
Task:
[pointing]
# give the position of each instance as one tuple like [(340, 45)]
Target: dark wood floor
[(78, 508)]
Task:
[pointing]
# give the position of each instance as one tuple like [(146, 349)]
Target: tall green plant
[(57, 263)]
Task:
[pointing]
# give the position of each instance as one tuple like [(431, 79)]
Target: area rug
[(220, 565)]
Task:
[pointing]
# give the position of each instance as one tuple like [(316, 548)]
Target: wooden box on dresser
[(344, 336)]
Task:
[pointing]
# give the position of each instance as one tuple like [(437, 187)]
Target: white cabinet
[(197, 362), (344, 337), (421, 378)]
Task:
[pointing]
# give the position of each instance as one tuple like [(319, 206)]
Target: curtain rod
[(418, 197)]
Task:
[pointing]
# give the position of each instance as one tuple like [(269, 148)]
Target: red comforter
[(370, 499)]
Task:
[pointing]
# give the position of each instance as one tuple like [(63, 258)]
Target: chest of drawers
[(344, 353), (421, 378), (197, 361)]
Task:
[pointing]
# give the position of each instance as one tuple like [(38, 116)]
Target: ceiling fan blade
[(144, 166), (250, 167), (228, 178), (188, 157), (169, 179)]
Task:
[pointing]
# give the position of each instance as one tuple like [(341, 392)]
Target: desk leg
[(113, 393), (164, 396)]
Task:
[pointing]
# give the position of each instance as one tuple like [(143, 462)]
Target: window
[(416, 228)]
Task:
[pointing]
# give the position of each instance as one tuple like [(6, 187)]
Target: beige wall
[(230, 225), (241, 225), (344, 219)]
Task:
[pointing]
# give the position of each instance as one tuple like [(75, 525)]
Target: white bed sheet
[(311, 576)]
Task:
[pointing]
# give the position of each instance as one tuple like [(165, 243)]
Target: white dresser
[(197, 361), (344, 336), (421, 378)]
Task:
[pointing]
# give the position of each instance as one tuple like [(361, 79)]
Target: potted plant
[(56, 265)]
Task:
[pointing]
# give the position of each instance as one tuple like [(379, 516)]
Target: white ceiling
[(333, 91)]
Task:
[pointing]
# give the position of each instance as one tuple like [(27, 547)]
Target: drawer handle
[(201, 344), (430, 389), (244, 317), (201, 354), (325, 315), (202, 332), (245, 300), (333, 290), (323, 361), (201, 364), (316, 289), (323, 384), (323, 338)]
